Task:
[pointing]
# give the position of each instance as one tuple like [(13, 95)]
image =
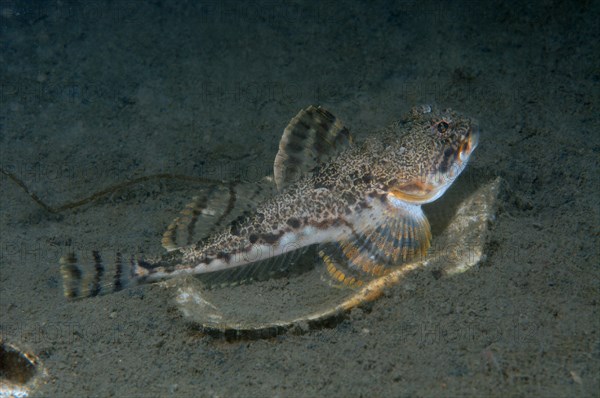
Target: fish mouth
[(467, 148)]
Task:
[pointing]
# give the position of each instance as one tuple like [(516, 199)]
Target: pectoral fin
[(402, 235)]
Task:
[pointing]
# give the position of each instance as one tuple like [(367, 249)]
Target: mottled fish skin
[(411, 162)]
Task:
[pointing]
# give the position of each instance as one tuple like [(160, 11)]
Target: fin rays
[(283, 265), (312, 137), (218, 207), (403, 235)]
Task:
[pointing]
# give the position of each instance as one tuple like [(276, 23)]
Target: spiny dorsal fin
[(312, 137), (214, 210)]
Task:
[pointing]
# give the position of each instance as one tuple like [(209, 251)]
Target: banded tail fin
[(90, 281)]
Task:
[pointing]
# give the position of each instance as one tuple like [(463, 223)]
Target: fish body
[(361, 203)]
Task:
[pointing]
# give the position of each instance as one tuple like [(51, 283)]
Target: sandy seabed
[(97, 93)]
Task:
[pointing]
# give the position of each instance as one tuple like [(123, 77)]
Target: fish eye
[(442, 127)]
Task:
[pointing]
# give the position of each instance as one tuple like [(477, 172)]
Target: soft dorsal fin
[(215, 209), (312, 137)]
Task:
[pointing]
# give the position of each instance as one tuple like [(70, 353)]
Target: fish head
[(433, 153)]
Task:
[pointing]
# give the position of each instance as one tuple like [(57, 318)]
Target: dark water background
[(100, 92)]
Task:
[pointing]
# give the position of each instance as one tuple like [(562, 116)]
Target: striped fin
[(403, 235), (338, 274), (90, 281), (312, 137), (210, 212)]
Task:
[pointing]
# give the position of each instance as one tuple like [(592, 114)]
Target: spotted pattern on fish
[(361, 202)]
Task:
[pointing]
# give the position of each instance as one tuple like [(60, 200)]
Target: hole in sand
[(17, 369)]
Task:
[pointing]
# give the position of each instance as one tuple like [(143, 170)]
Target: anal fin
[(284, 265)]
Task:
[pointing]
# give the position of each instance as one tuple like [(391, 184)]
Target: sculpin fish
[(359, 202)]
